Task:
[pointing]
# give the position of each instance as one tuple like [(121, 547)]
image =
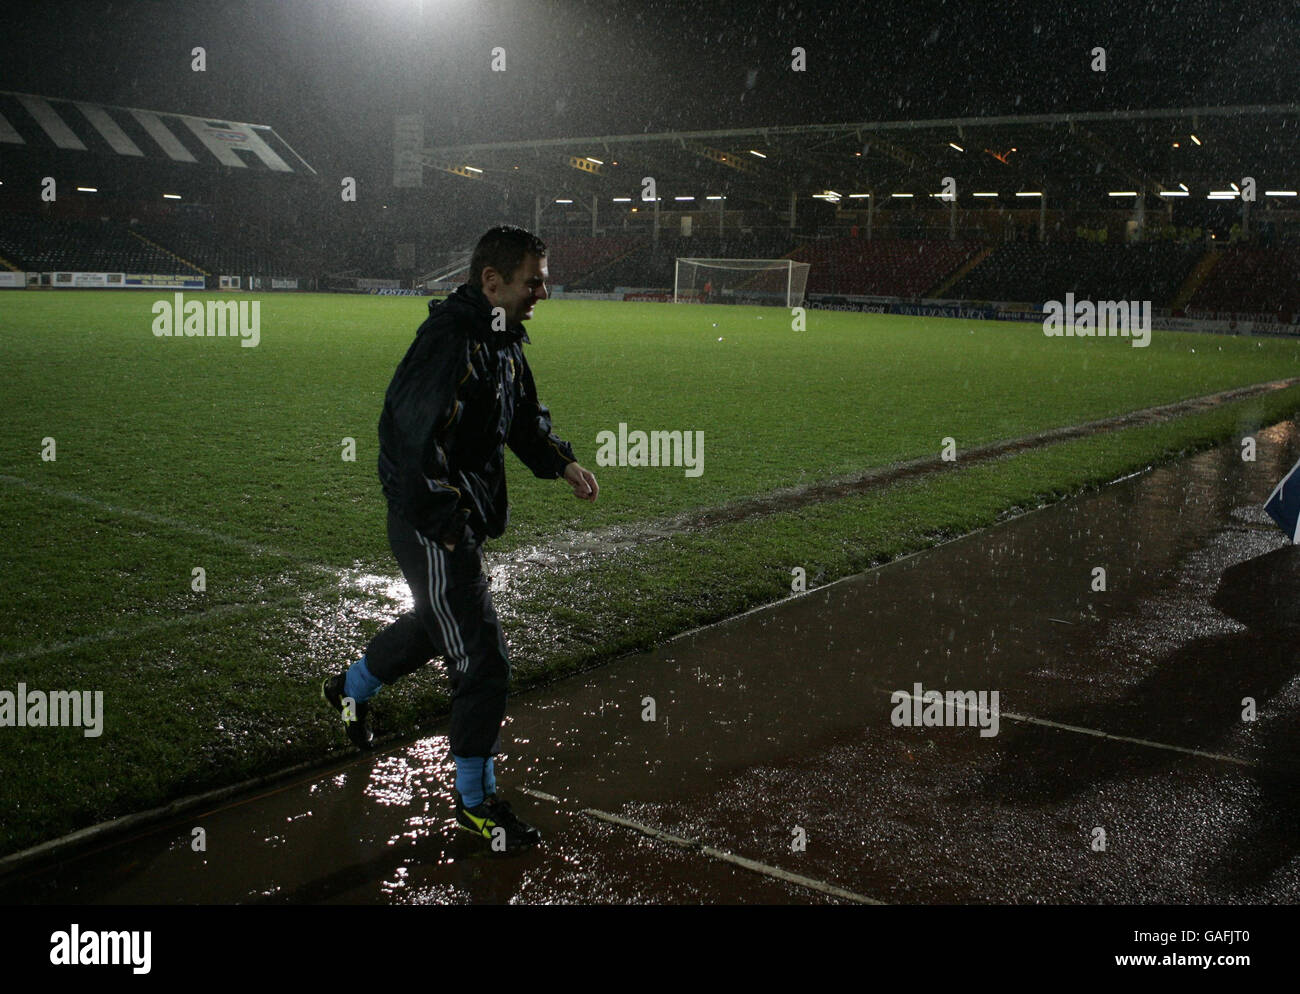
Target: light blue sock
[(489, 777), (469, 779), (361, 684)]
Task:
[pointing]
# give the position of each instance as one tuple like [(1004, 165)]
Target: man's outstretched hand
[(583, 483)]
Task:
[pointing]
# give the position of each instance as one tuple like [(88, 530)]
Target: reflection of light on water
[(393, 588), (1278, 433), (419, 771), (335, 624), (435, 894), (419, 777), (332, 620), (391, 781)]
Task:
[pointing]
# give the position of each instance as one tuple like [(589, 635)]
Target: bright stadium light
[(1123, 193), (563, 201), (87, 189), (1174, 193), (1182, 186), (715, 196), (171, 196), (1030, 193), (900, 194), (1220, 195), (983, 194), (1195, 139), (758, 153), (597, 161), (622, 200), (1279, 193), (683, 198), (956, 146), (472, 169), (858, 196)]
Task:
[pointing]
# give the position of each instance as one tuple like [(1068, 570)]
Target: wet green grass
[(199, 453)]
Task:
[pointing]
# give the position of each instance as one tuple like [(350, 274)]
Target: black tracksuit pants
[(454, 618)]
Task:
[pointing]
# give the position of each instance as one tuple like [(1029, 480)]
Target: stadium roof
[(55, 125), (1076, 160)]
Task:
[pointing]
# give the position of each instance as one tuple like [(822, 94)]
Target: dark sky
[(329, 74)]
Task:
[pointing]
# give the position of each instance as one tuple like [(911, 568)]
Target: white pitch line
[(749, 864), (118, 634), (165, 522), (1031, 720), (542, 794)]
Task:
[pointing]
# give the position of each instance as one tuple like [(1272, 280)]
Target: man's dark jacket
[(462, 393)]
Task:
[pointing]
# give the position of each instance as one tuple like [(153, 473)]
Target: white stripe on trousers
[(442, 607)]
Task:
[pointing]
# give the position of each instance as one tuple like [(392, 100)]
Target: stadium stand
[(1033, 272), (637, 262), (1251, 280), (888, 267), (44, 244), (570, 258), (231, 248)]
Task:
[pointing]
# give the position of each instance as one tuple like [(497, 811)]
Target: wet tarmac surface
[(1147, 747)]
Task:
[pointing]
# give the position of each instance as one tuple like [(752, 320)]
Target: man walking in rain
[(463, 392)]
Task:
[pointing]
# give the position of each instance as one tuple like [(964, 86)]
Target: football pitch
[(195, 528)]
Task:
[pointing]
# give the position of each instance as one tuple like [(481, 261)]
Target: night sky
[(328, 76)]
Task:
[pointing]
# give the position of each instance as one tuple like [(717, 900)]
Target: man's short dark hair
[(503, 248)]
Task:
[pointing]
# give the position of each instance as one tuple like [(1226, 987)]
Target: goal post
[(774, 282)]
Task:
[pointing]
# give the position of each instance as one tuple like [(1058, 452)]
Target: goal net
[(775, 282)]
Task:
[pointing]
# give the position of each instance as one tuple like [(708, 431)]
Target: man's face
[(522, 292)]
